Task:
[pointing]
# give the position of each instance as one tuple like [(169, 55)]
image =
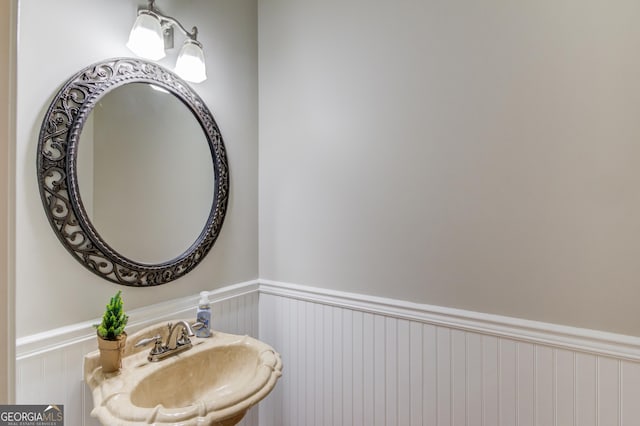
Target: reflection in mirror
[(145, 173)]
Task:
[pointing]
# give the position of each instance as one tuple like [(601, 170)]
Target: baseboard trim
[(559, 336), (58, 338)]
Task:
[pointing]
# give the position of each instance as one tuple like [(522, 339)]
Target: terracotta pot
[(111, 352)]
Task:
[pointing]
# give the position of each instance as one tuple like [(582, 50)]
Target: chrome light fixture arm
[(168, 22)]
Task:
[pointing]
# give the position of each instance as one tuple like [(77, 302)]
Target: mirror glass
[(145, 173)]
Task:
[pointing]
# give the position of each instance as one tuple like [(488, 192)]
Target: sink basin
[(213, 383)]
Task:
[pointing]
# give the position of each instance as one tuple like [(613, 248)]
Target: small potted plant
[(111, 335)]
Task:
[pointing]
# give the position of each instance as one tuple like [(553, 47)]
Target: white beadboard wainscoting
[(359, 360), (353, 359), (49, 366)]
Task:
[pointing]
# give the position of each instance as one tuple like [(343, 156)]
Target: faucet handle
[(157, 345), (144, 342), (184, 337)]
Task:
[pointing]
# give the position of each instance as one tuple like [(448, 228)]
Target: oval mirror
[(132, 172)]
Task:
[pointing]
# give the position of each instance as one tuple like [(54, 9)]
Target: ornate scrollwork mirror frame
[(58, 180)]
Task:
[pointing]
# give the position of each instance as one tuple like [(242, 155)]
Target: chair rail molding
[(39, 343), (565, 337)]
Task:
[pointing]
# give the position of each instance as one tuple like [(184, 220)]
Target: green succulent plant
[(114, 319)]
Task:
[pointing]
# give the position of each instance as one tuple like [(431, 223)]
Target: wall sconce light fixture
[(152, 34)]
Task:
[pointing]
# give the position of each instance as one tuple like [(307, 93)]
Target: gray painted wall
[(56, 39), (461, 154), (479, 155)]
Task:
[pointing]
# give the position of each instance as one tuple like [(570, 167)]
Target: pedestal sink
[(213, 383)]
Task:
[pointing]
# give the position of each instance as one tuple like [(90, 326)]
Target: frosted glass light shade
[(145, 39), (190, 64)]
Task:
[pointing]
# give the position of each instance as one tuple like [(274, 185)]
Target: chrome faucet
[(174, 340), (177, 341)]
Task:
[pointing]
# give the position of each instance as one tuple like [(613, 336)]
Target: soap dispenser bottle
[(203, 315)]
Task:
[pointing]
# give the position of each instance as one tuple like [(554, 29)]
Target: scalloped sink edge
[(213, 383)]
